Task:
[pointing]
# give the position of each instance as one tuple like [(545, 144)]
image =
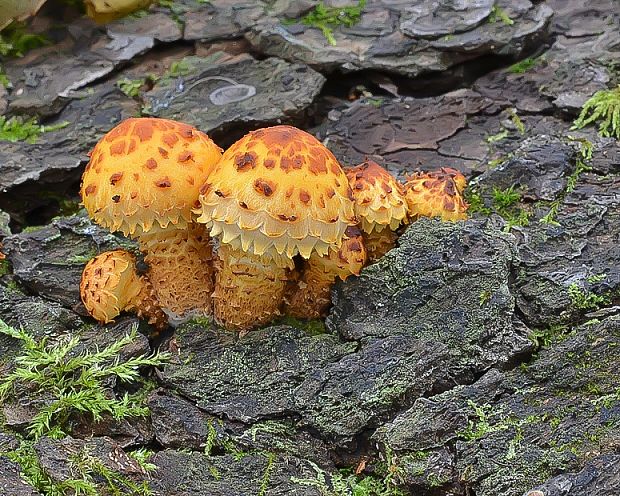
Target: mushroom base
[(181, 270), (249, 289), (378, 243), (311, 296), (147, 307)]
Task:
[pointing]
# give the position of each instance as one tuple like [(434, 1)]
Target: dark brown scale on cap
[(170, 139), (269, 163), (116, 177), (450, 187), (246, 161), (352, 232), (186, 156), (163, 183), (163, 152), (204, 189), (264, 187), (285, 164), (116, 198), (287, 218), (151, 164), (90, 189), (117, 148), (143, 129), (304, 196)]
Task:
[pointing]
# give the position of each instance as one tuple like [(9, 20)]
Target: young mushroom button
[(437, 194), (111, 285), (276, 193), (143, 179), (380, 205)]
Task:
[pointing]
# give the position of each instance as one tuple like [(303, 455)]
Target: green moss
[(518, 123), (497, 137), (603, 107), (66, 382), (131, 87), (15, 41), (311, 327), (542, 338), (19, 129), (5, 267), (499, 15), (584, 299), (32, 472), (179, 68), (524, 65), (328, 18), (347, 483)]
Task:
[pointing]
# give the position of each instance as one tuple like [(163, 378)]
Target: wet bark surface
[(475, 358)]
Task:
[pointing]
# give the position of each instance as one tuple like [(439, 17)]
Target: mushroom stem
[(180, 269), (378, 243), (311, 298), (111, 285), (249, 289)]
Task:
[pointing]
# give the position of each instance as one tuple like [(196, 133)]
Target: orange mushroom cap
[(379, 198), (277, 192), (437, 194), (147, 173), (350, 258)]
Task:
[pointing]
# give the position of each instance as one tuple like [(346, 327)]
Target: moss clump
[(66, 382), (18, 129), (603, 106), (15, 41), (347, 482), (328, 18)]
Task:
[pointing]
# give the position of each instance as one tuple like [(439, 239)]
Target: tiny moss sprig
[(581, 165), (18, 129), (15, 41), (347, 483), (499, 14), (328, 18), (67, 383), (524, 65), (603, 106)]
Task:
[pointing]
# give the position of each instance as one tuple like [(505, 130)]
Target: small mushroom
[(312, 297), (143, 179), (380, 205), (437, 194), (276, 193), (110, 285)]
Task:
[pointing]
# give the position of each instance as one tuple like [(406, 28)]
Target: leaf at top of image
[(103, 11)]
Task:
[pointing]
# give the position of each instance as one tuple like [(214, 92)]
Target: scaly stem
[(249, 289), (180, 270)]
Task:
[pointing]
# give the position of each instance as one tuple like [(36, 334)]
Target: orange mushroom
[(311, 298), (276, 193), (437, 194), (380, 205), (143, 179), (110, 285)]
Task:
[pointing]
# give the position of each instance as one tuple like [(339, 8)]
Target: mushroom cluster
[(264, 228)]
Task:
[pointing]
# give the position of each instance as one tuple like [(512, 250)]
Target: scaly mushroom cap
[(146, 173), (350, 258), (437, 194), (379, 198), (277, 192)]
